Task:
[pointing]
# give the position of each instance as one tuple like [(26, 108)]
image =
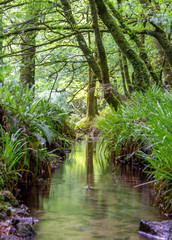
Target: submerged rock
[(156, 230)]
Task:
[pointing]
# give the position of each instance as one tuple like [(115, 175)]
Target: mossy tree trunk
[(27, 69), (140, 69), (163, 43), (122, 74), (28, 45), (110, 93), (166, 68), (140, 44), (91, 99), (80, 39), (159, 32), (163, 40), (124, 65), (100, 73), (91, 111), (1, 54), (127, 75)]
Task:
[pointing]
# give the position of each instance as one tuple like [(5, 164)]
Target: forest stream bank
[(84, 200)]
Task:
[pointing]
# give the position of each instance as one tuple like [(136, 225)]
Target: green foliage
[(31, 124), (11, 152), (61, 69), (145, 120), (35, 114)]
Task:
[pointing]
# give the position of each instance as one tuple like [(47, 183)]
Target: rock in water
[(156, 230), (88, 187), (25, 230)]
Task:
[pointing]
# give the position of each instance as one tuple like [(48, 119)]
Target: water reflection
[(89, 162), (111, 209)]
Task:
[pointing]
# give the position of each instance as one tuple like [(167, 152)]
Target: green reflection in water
[(111, 209)]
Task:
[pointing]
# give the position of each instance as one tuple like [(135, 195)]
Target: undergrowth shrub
[(142, 127), (29, 125)]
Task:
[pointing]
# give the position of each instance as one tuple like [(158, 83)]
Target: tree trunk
[(127, 75), (1, 54), (91, 95), (164, 64), (165, 43), (109, 91), (80, 39), (140, 69), (28, 46), (122, 74), (142, 52), (27, 70), (102, 76), (159, 32)]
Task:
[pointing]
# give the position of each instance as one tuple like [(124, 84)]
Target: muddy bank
[(16, 223)]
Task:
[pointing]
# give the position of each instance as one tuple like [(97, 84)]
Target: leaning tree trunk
[(163, 40), (108, 94), (159, 32), (142, 51), (140, 69), (166, 68)]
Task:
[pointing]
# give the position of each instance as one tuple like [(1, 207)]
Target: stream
[(67, 208)]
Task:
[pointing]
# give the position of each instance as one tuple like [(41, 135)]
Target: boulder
[(25, 230), (156, 230), (9, 198)]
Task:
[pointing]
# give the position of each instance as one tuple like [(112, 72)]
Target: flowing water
[(85, 201)]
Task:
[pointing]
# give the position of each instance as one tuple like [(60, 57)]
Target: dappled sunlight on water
[(86, 202)]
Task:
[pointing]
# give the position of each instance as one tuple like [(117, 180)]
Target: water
[(111, 209)]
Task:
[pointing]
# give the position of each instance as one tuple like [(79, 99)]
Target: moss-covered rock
[(3, 177), (25, 230), (2, 199), (4, 212), (9, 198), (85, 124)]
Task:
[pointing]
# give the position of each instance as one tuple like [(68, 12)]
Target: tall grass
[(142, 128), (11, 153)]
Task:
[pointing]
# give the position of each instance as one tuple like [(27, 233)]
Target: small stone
[(88, 187), (10, 237)]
